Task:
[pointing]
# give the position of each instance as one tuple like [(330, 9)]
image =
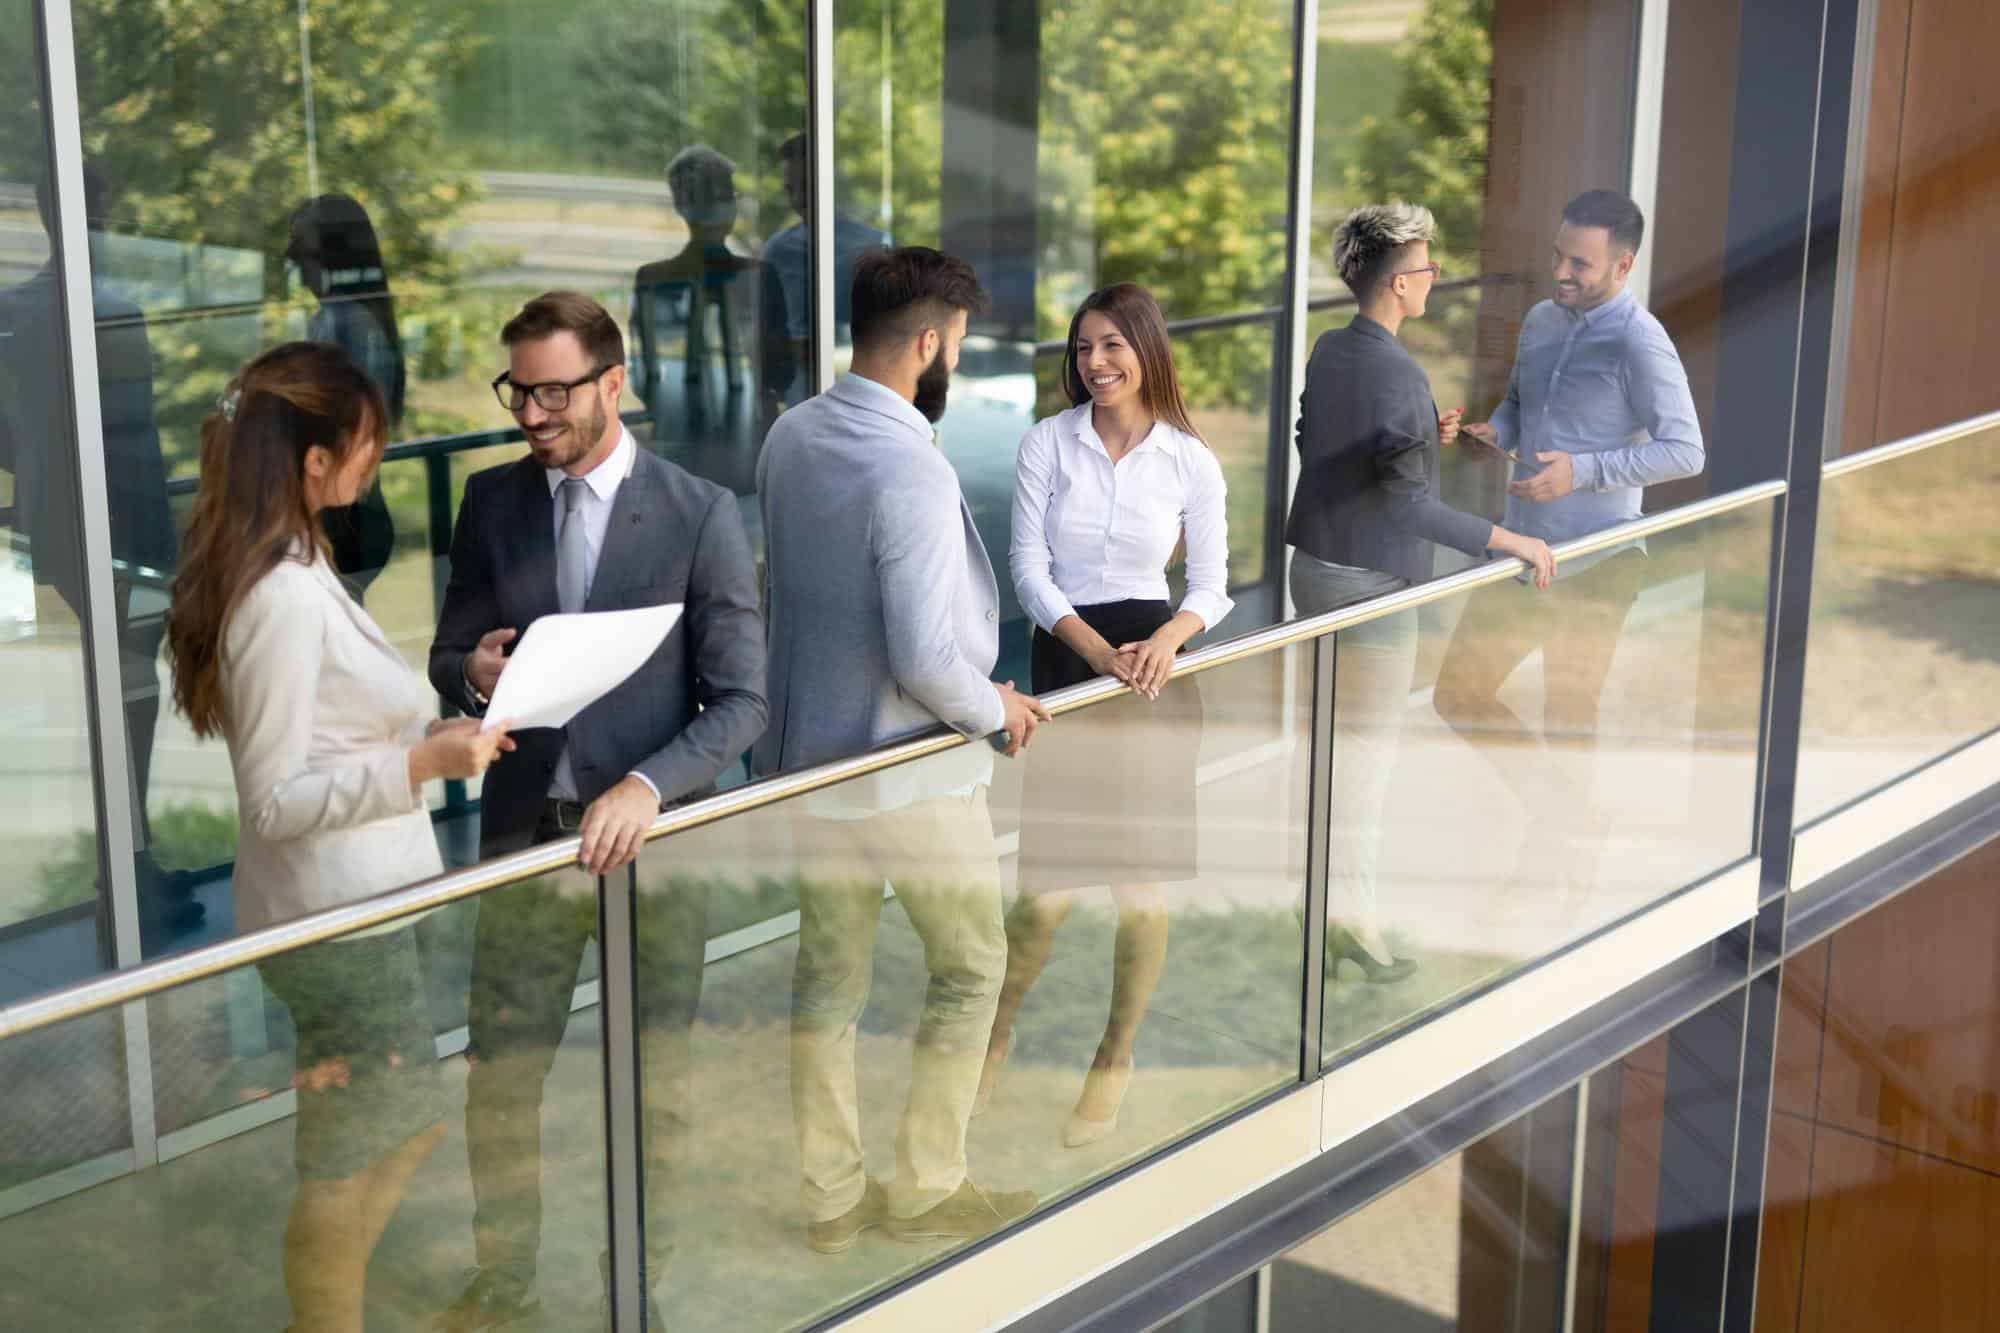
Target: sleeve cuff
[(1048, 607), (398, 794), (651, 785), (474, 705), (997, 718), (1211, 607), (1585, 474)]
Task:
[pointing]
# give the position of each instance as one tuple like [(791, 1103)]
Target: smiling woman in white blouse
[(1104, 493)]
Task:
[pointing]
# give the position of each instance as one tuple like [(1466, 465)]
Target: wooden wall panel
[(1801, 1010), (1642, 1118), (1690, 222), (1561, 123), (1781, 1251), (1923, 350), (1896, 1240), (1875, 216), (1912, 1050)]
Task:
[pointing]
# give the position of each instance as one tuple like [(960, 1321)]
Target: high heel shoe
[(989, 1073), (1110, 1083), (1341, 943)]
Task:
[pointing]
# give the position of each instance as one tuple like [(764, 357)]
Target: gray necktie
[(572, 551), (572, 589)]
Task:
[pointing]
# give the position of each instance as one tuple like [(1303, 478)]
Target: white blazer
[(320, 712)]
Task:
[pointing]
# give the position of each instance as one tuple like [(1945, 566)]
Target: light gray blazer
[(320, 714), (884, 614)]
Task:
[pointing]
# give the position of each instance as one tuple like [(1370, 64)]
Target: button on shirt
[(1606, 387), (1088, 531), (594, 512)]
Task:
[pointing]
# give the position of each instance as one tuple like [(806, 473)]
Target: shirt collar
[(1363, 324), (1590, 319), (1160, 437), (604, 478), (873, 396)]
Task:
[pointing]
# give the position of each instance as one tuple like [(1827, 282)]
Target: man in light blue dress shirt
[(1597, 410)]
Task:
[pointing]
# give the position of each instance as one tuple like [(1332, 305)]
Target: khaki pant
[(938, 857)]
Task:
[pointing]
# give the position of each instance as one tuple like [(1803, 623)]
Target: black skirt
[(1109, 795)]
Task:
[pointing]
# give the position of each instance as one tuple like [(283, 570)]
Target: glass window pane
[(324, 1095), (1516, 769), (957, 992), (1029, 140), (398, 181), (54, 911), (1903, 652)]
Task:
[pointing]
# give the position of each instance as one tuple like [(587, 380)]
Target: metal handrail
[(1915, 444), (1265, 314), (151, 978)]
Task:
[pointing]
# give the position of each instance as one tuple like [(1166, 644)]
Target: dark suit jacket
[(36, 445), (685, 715), (1368, 460)]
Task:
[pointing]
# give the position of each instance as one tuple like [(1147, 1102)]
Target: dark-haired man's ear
[(929, 343)]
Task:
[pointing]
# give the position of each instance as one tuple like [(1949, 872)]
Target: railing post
[(624, 1156), (1319, 835), (437, 498)]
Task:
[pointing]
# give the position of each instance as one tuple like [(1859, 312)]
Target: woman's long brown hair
[(1137, 315), (251, 510)]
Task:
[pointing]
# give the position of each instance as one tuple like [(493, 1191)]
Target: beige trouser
[(938, 856)]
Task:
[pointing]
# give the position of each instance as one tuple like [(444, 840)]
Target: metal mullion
[(819, 196), (624, 1156), (1319, 816), (1289, 374), (103, 681)]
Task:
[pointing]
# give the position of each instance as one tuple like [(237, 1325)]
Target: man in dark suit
[(585, 522), (36, 449)]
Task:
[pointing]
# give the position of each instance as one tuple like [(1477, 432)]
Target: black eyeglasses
[(552, 396), (1436, 271)]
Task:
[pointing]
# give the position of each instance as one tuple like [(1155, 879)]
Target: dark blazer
[(1368, 460), (685, 715)]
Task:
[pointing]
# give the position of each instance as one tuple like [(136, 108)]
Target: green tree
[(196, 113), (1154, 174), (1433, 149)]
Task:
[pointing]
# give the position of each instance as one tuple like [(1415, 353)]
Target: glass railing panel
[(334, 1154), (65, 1117), (1515, 769), (1903, 652), (961, 980)]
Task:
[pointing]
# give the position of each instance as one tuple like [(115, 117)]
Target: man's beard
[(933, 386), (583, 437)]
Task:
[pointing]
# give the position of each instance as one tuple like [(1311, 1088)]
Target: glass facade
[(1491, 879)]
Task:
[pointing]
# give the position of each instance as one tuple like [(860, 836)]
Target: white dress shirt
[(1088, 531), (601, 485)]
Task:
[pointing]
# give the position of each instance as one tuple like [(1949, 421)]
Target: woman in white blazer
[(331, 737)]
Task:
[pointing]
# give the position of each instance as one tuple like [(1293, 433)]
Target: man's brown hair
[(573, 312)]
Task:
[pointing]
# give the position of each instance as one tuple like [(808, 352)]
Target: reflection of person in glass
[(789, 255), (1103, 494), (1597, 409), (332, 739), (683, 289), (884, 622), (339, 260), (586, 521), (1365, 522), (34, 447)]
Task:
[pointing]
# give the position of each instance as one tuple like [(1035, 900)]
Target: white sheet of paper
[(565, 663)]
